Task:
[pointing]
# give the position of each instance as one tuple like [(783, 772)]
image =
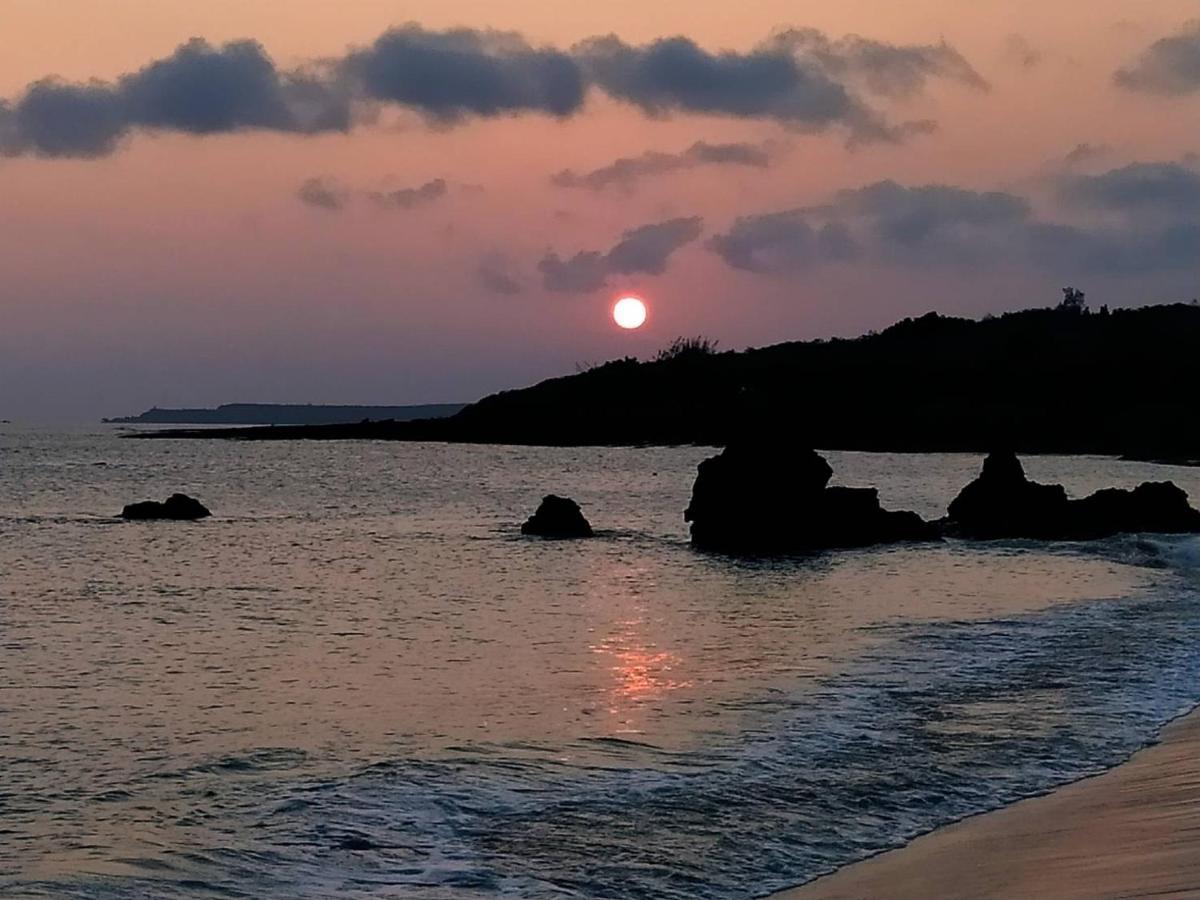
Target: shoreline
[(1133, 830), (445, 431)]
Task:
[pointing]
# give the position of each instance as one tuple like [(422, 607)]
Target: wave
[(936, 722)]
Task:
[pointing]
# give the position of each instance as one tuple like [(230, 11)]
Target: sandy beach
[(1131, 832)]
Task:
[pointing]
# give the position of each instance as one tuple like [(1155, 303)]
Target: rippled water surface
[(356, 679)]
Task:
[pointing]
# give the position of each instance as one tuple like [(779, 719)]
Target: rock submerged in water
[(1003, 503), (177, 506), (557, 517), (763, 497)]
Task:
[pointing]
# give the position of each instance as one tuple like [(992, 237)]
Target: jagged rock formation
[(763, 497), (1003, 503), (177, 506), (557, 517)]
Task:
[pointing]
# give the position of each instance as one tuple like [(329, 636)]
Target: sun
[(629, 312)]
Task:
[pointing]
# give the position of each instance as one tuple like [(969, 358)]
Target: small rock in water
[(557, 517), (177, 506)]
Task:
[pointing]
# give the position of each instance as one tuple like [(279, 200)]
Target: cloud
[(410, 198), (1085, 152), (1169, 187), (643, 250), (888, 70), (495, 275), (799, 79), (451, 75), (945, 226), (914, 215), (55, 120), (1114, 251), (675, 74), (628, 170), (329, 194), (782, 242), (926, 224), (1019, 52), (1170, 66), (199, 89), (323, 193)]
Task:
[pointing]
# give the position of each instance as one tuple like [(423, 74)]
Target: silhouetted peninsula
[(287, 414), (1060, 380)]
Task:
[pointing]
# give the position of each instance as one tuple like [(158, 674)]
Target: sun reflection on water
[(642, 671)]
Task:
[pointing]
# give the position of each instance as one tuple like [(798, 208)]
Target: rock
[(1003, 503), (1158, 507), (177, 506), (764, 497), (557, 517)]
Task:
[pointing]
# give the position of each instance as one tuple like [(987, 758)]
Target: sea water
[(358, 680)]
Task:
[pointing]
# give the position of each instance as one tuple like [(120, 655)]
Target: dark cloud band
[(799, 79), (451, 75), (199, 89)]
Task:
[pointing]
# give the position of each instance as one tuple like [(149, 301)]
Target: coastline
[(446, 431), (1133, 830)]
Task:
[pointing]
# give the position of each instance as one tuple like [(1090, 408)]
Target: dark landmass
[(287, 414), (1038, 381), (1183, 460)]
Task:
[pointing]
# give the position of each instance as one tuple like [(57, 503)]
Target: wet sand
[(1131, 832)]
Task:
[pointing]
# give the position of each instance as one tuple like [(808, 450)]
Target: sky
[(386, 202)]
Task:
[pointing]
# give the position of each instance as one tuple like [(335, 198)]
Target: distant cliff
[(1047, 380), (287, 414)]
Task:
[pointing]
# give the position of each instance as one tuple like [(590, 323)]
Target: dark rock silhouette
[(557, 517), (1153, 506), (1003, 503), (177, 506), (763, 496)]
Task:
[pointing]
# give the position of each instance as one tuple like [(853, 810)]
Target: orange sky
[(182, 270)]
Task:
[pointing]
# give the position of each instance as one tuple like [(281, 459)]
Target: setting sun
[(629, 312)]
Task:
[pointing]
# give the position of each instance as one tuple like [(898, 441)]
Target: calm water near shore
[(358, 680)]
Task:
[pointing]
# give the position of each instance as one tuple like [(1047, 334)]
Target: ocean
[(358, 680)]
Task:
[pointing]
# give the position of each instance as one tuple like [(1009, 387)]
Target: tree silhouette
[(1073, 301), (687, 347)]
